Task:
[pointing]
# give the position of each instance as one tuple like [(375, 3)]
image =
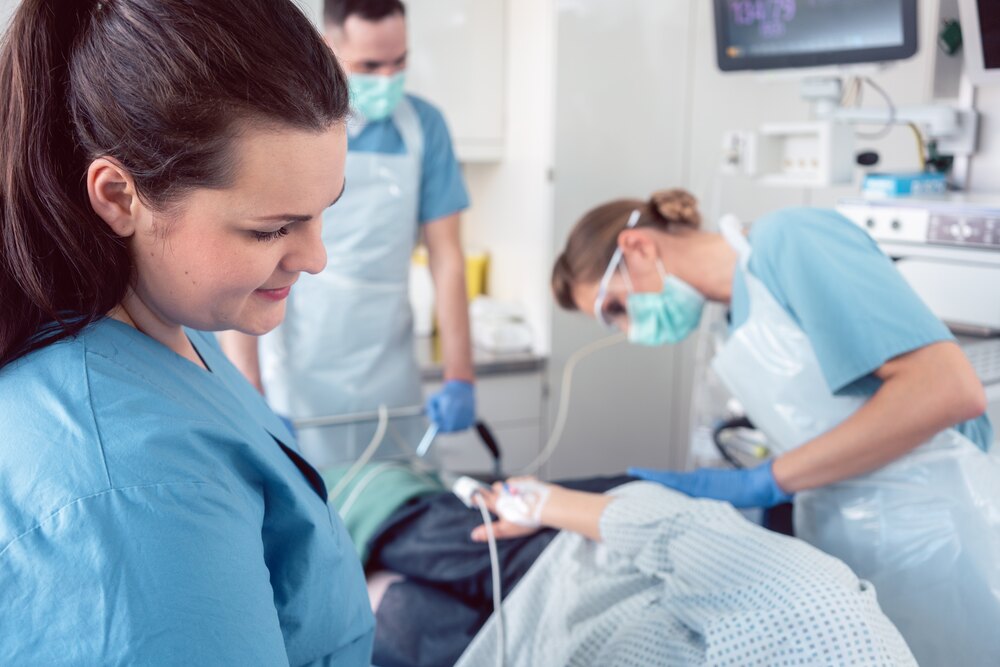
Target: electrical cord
[(921, 146), (564, 395), (717, 440), (491, 539), (884, 132), (852, 92), (726, 437)]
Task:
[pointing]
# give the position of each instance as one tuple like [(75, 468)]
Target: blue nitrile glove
[(454, 407), (751, 487)]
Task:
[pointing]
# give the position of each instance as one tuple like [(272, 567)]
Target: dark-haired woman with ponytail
[(873, 411), (163, 169)]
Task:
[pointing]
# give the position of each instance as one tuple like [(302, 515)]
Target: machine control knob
[(870, 223), (896, 225)]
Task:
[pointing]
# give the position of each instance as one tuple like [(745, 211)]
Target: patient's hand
[(559, 507), (504, 527)]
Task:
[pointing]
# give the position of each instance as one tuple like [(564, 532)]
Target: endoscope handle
[(486, 435)]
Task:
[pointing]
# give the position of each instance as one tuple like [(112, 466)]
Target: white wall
[(622, 81), (511, 212), (6, 9), (985, 173), (313, 9)]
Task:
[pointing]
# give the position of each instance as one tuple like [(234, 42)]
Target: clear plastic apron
[(924, 529), (346, 345)]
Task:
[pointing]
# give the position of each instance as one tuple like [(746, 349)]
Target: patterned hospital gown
[(680, 581)]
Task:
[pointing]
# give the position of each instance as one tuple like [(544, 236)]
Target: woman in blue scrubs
[(164, 169), (875, 412)]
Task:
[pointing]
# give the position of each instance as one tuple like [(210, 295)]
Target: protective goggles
[(607, 313)]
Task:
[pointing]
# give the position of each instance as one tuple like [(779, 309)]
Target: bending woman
[(164, 168), (875, 411)]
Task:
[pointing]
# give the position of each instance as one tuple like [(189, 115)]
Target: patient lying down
[(638, 576)]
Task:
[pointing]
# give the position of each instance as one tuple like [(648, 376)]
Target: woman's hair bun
[(676, 207)]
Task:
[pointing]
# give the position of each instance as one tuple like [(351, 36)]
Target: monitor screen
[(777, 34), (989, 32)]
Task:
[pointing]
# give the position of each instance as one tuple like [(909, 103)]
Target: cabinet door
[(456, 61)]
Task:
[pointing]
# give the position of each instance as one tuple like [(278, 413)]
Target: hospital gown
[(684, 581)]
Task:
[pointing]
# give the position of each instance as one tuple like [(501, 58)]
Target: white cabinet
[(512, 406), (456, 61)]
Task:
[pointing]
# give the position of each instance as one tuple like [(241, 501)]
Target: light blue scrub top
[(857, 309), (149, 515), (442, 190)]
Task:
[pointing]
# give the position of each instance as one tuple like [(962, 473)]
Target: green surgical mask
[(375, 96)]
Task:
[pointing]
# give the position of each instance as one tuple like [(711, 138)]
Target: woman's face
[(613, 300), (227, 258)]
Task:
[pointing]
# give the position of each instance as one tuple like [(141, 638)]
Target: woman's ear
[(638, 244), (113, 196)]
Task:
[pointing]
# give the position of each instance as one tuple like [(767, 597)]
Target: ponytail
[(156, 85), (49, 289), (675, 208)]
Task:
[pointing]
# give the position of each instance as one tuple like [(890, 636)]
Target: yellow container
[(477, 269)]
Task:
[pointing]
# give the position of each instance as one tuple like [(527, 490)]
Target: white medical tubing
[(564, 396), (491, 539), (383, 424), (355, 417)]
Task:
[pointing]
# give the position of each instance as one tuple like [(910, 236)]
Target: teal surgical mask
[(656, 318), (375, 96), (665, 317)]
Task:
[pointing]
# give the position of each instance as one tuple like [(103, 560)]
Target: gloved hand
[(751, 487), (454, 407)]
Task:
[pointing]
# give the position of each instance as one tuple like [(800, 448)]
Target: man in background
[(346, 345)]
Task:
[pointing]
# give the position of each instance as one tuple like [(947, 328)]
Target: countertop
[(428, 353)]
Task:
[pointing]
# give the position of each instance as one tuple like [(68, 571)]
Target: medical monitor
[(981, 39), (782, 34)]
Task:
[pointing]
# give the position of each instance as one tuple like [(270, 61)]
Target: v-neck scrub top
[(153, 512)]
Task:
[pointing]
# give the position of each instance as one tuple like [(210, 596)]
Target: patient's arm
[(564, 509)]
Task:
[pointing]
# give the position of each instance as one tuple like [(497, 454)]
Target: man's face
[(370, 47)]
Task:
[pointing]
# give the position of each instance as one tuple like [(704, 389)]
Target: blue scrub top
[(155, 513), (442, 190), (846, 295)]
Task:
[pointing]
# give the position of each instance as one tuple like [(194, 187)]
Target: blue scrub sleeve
[(856, 308), (161, 574), (442, 189)]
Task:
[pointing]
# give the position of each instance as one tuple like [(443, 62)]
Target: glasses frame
[(616, 260)]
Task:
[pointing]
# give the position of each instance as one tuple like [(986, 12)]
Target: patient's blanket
[(680, 581)]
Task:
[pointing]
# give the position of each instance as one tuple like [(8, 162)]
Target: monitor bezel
[(824, 59)]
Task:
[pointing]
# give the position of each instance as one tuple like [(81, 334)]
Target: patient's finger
[(502, 530), (489, 497), (522, 478)]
